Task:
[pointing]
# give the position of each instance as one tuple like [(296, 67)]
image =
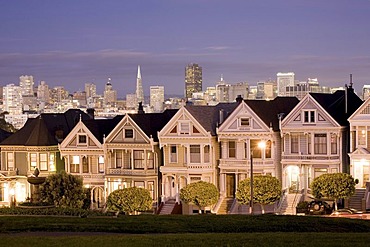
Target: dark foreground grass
[(154, 224), (200, 239)]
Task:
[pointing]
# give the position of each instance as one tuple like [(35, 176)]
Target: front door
[(230, 185)]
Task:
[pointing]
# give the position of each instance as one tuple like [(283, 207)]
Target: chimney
[(140, 110), (91, 112), (221, 116), (239, 99)]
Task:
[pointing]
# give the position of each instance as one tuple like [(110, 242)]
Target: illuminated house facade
[(33, 146), (190, 149), (83, 154), (315, 138), (132, 153), (252, 122)]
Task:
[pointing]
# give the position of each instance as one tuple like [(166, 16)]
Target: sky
[(68, 43)]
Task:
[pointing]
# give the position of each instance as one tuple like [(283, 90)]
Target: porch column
[(163, 188), (177, 184)]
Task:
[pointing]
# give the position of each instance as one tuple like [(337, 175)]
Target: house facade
[(315, 138), (132, 152), (190, 149), (33, 146), (250, 124)]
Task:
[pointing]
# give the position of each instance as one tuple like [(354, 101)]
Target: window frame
[(129, 134), (80, 140)]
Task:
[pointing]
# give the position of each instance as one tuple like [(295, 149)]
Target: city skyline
[(72, 43)]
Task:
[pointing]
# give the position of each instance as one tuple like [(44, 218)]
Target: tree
[(333, 186), (63, 190), (130, 200), (201, 194), (266, 190)]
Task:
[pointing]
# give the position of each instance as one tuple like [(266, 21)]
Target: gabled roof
[(208, 116), (268, 110), (101, 128), (151, 123), (47, 129), (335, 104)]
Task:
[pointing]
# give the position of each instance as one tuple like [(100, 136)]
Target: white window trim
[(244, 126), (170, 154), (133, 134), (180, 129), (309, 116), (82, 143)]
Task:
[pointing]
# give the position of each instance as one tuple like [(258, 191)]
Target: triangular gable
[(87, 139), (362, 112), (360, 151), (127, 131), (296, 118), (183, 124), (243, 119)]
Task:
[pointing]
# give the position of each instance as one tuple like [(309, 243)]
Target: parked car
[(318, 207), (349, 213)]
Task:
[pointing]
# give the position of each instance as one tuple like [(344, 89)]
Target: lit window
[(150, 160), (206, 154), (75, 164), (43, 162), (101, 164), (10, 161), (138, 159), (85, 165), (33, 160)]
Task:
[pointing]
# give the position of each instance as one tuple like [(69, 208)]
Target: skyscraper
[(110, 95), (26, 83), (139, 86), (157, 98), (284, 80), (90, 89), (12, 96), (193, 79)]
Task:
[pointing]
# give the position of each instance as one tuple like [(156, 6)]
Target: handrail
[(218, 204)]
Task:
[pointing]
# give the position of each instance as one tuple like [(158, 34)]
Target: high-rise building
[(131, 101), (139, 87), (57, 94), (157, 98), (365, 92), (43, 94), (284, 80), (110, 95), (193, 79), (26, 83), (90, 89), (12, 99)]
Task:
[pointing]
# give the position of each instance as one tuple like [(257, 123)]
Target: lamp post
[(261, 145)]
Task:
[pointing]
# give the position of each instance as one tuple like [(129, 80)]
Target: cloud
[(218, 48)]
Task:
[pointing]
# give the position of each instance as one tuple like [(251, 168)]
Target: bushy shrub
[(130, 200), (201, 194), (63, 190)]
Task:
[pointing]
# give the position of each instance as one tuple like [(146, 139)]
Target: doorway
[(230, 185)]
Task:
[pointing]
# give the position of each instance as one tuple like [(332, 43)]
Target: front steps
[(355, 201), (289, 204), (225, 205)]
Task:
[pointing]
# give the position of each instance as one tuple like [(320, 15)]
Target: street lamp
[(261, 145)]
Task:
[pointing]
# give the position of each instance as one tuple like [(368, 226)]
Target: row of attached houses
[(164, 152)]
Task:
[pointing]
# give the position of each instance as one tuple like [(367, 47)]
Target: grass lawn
[(180, 230), (198, 239)]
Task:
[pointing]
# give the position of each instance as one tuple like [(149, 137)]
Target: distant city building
[(80, 97), (284, 80), (26, 83), (270, 89), (193, 80), (139, 87), (131, 101), (157, 98), (12, 99), (57, 94), (110, 95), (365, 92), (90, 89), (228, 92), (43, 94)]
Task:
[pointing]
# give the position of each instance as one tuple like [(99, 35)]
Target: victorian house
[(252, 123), (33, 146), (360, 155), (132, 153), (315, 138), (83, 154), (190, 149)]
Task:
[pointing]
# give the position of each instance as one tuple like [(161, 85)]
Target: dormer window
[(82, 139), (309, 116), (129, 133)]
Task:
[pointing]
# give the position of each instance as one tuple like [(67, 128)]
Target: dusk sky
[(72, 42)]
